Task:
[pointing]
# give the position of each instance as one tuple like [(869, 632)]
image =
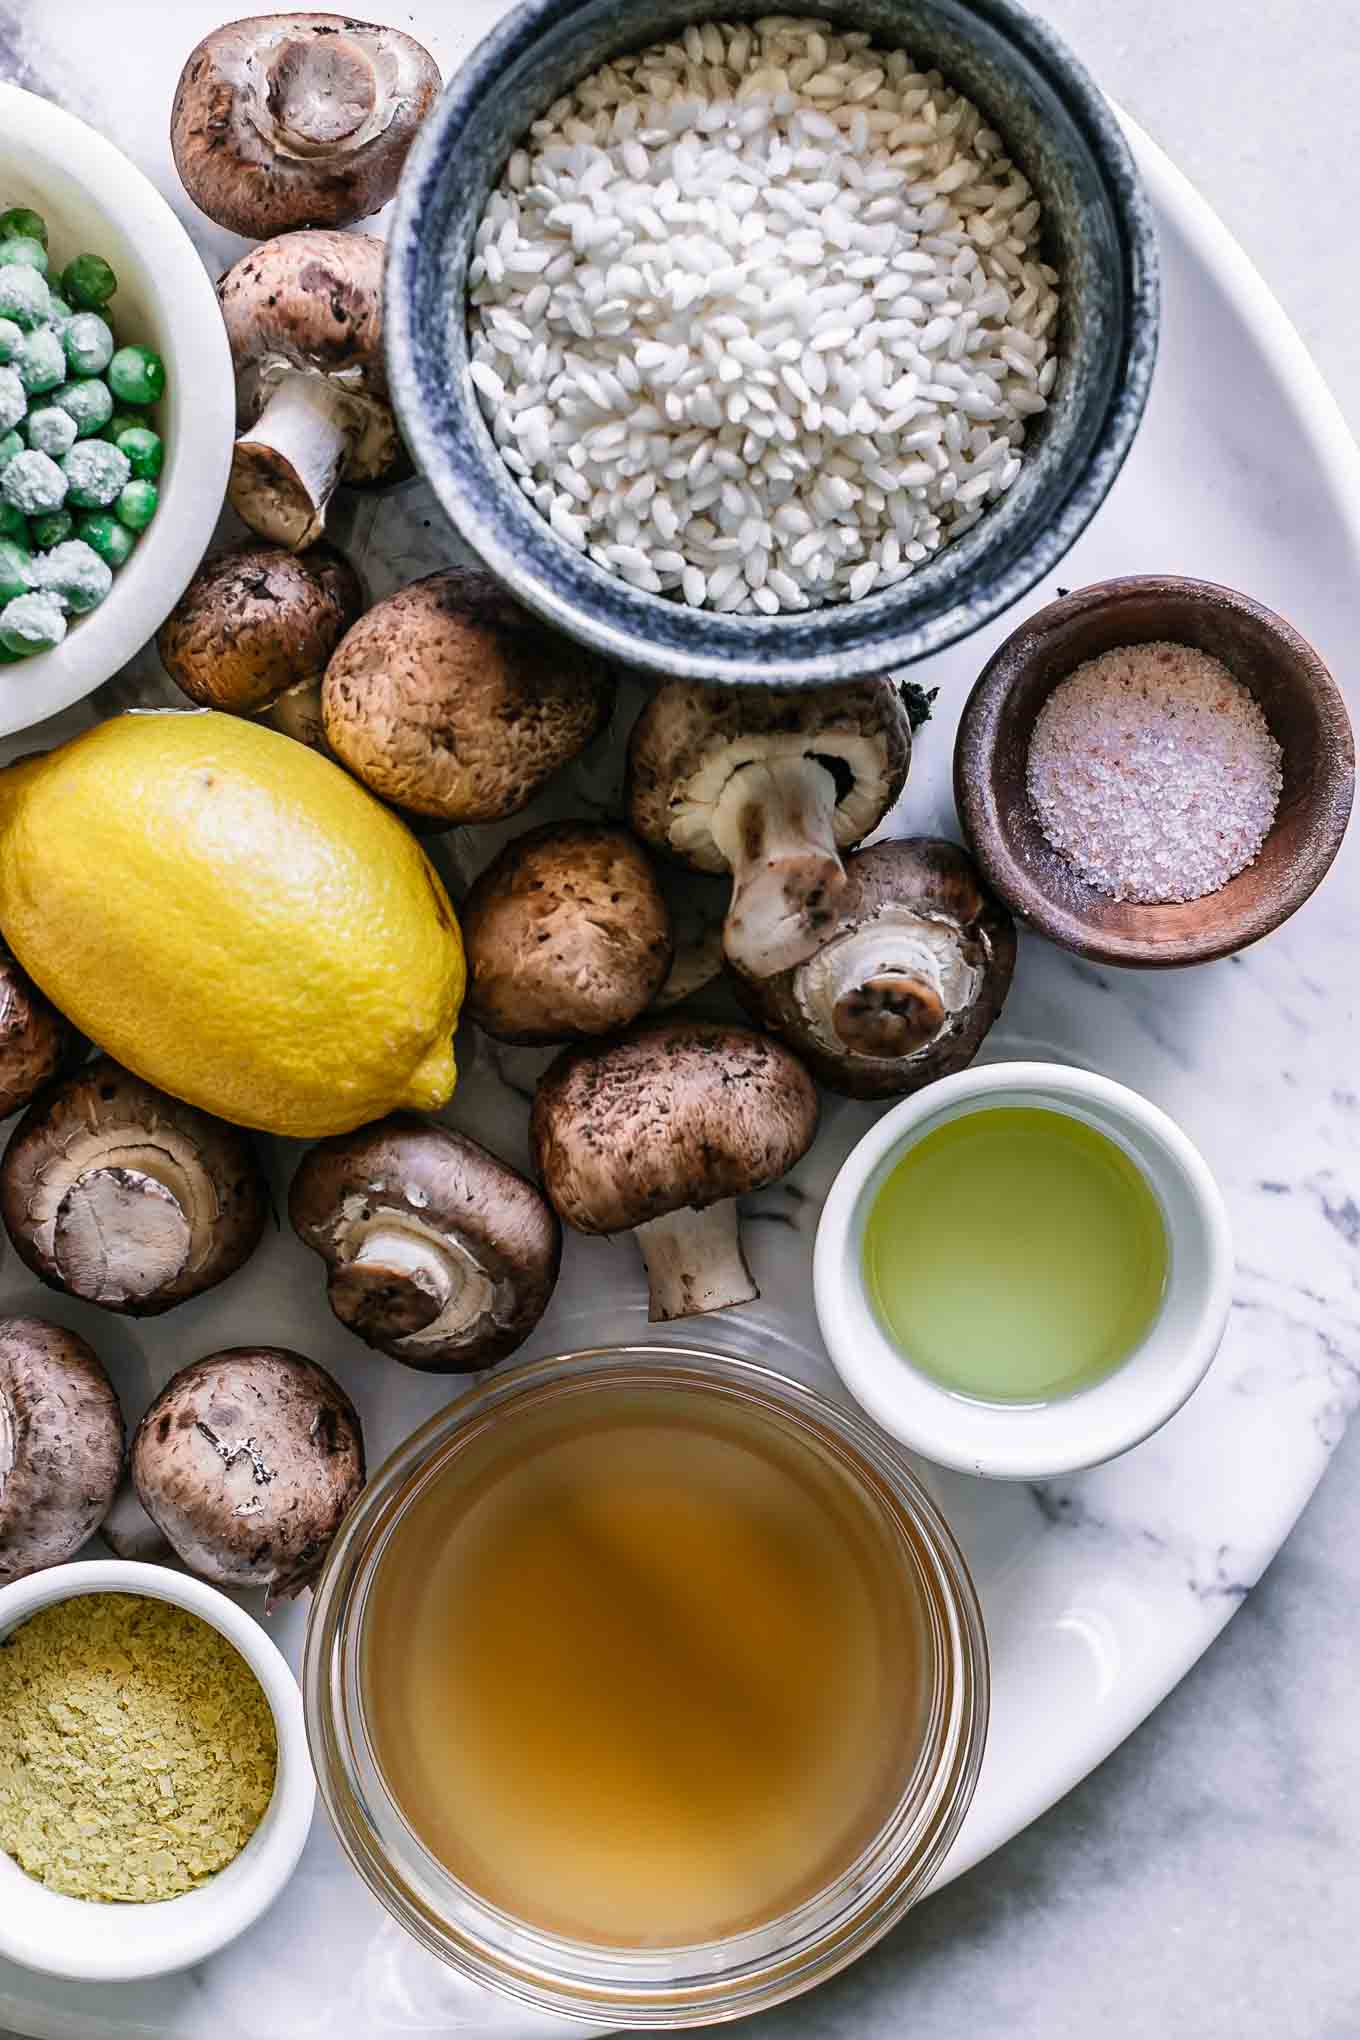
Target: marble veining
[(1100, 1589)]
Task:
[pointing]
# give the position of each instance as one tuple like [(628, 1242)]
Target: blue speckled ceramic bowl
[(1101, 240)]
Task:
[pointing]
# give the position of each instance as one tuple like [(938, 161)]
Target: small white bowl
[(94, 200), (1003, 1441), (93, 1943)]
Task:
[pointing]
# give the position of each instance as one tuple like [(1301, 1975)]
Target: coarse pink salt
[(1154, 771)]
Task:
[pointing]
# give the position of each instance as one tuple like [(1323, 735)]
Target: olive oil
[(1016, 1254), (645, 1668)]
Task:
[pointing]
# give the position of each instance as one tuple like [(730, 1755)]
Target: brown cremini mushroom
[(298, 120), (61, 1445), (246, 1462), (437, 1252), (37, 1043), (566, 934), (907, 983), (118, 1194), (451, 701), (257, 625), (658, 1134), (130, 1533), (304, 319), (771, 784)]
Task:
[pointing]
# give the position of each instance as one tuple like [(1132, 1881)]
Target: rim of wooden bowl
[(1302, 704)]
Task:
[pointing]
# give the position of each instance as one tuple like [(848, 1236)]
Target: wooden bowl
[(1301, 703)]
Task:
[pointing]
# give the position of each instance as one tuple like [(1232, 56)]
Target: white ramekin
[(1029, 1442), (74, 1937), (94, 199)]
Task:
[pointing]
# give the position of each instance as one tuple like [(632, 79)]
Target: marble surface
[(1204, 1880)]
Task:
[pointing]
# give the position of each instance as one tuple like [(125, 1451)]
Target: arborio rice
[(758, 317)]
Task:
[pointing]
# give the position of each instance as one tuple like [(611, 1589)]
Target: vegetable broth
[(1016, 1255), (645, 1668)]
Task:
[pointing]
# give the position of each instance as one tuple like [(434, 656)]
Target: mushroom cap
[(689, 740), (921, 888), (296, 120), (450, 700), (37, 1043), (61, 1445), (130, 1533), (567, 935), (673, 1116), (407, 1176), (116, 1193), (312, 302), (247, 1461), (256, 621)]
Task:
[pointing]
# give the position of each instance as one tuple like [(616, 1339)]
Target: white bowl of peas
[(117, 409)]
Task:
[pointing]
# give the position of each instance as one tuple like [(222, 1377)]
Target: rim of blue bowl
[(843, 641)]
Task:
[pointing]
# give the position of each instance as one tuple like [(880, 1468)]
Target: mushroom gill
[(773, 785), (436, 1251), (130, 1199), (908, 980)]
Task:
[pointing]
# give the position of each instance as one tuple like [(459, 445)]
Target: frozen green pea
[(11, 339), (41, 362), (75, 574), (13, 399), (32, 623), (51, 431), (34, 483), (24, 297), (95, 473), (136, 505), (144, 451), (16, 571), (60, 311), (88, 402), (122, 421), (10, 444), (23, 248), (88, 282), (106, 536), (22, 220), (136, 375), (14, 524), (51, 529), (88, 343)]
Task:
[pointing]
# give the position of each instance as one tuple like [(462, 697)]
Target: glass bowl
[(651, 1985)]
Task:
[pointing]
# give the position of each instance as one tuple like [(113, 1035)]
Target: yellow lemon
[(235, 919)]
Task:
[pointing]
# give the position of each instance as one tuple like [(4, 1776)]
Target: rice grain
[(784, 279)]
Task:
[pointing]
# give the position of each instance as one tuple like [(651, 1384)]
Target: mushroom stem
[(694, 1262), (694, 965), (399, 1281), (775, 824), (318, 95), (296, 713), (891, 1014), (889, 987), (121, 1235), (285, 469)]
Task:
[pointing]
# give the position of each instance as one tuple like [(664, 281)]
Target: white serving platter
[(1100, 1591)]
